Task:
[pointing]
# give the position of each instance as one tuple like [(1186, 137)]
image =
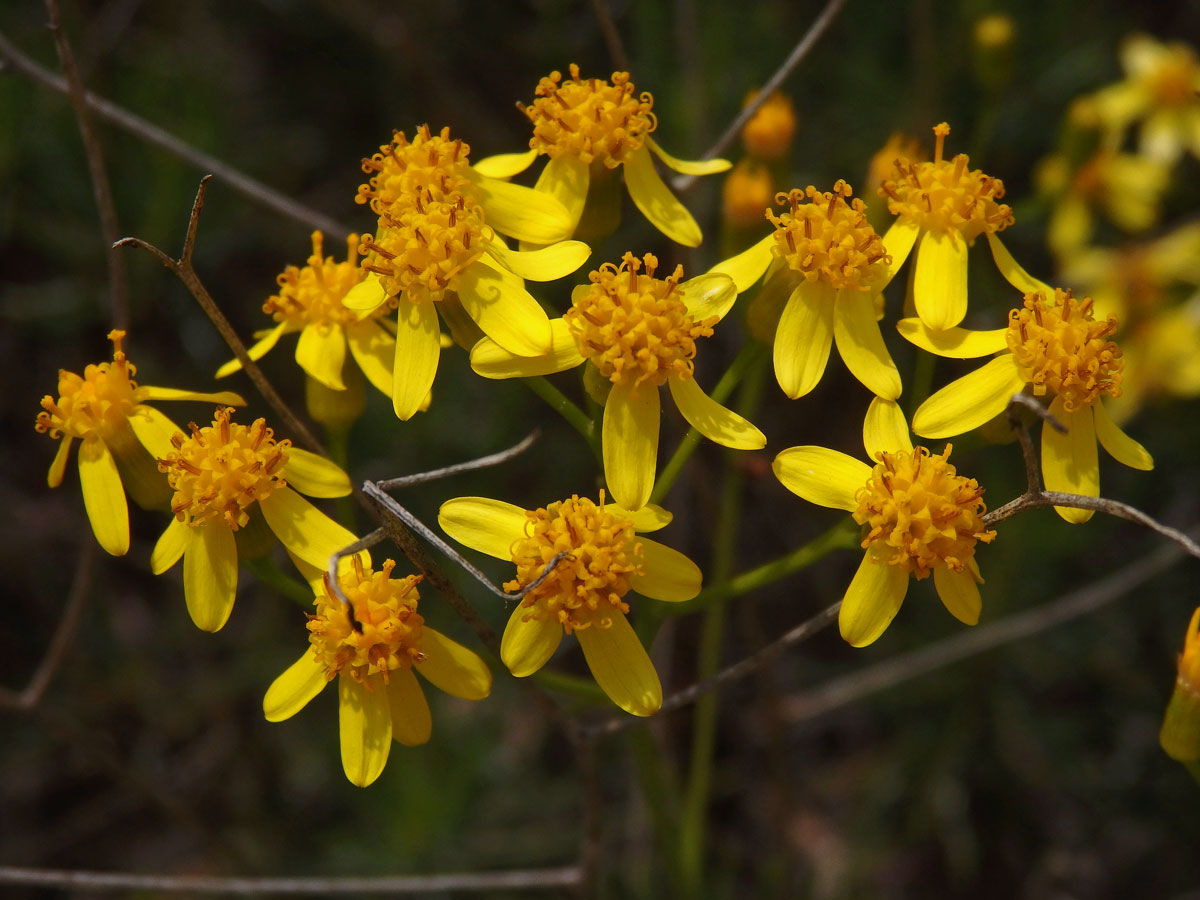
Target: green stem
[(573, 686), (560, 403), (338, 446), (266, 571)]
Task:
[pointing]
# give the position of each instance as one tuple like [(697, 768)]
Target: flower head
[(639, 331), (768, 133), (106, 410), (586, 593), (380, 700), (223, 473), (919, 517), (748, 190), (1054, 347)]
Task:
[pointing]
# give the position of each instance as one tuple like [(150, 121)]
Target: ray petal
[(621, 666), (489, 526), (656, 202), (629, 443), (365, 727), (822, 476)]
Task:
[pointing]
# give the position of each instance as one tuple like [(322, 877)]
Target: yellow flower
[(589, 126), (748, 190), (918, 516), (107, 410), (1160, 91), (379, 698), (1053, 346), (831, 265), (1180, 734), (943, 206), (639, 332), (585, 594), (768, 133), (310, 302), (218, 473), (433, 238)]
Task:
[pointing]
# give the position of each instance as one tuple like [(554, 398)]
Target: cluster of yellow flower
[(440, 245)]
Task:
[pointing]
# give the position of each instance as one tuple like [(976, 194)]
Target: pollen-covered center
[(945, 196), (923, 515), (386, 610), (222, 468), (595, 120), (429, 165), (587, 588), (1060, 347), (312, 295), (829, 239), (98, 404), (635, 327)]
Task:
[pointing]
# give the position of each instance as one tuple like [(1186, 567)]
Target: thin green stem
[(337, 442), (265, 570), (560, 403)]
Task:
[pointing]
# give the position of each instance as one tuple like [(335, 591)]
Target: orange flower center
[(768, 133), (946, 196), (586, 589), (385, 607), (98, 405), (312, 295), (1061, 348), (829, 239), (635, 327), (431, 165), (223, 468), (924, 515), (595, 120)]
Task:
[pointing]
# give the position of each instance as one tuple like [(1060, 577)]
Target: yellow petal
[(566, 178), (709, 295), (302, 528), (505, 311), (656, 202), (321, 352), (59, 466), (1119, 445), (453, 668), (528, 645), (104, 497), (505, 165), (491, 360), (225, 398), (940, 281), (375, 352), (418, 346), (803, 338), (154, 430), (547, 264), (885, 429), (629, 441), (960, 594), (898, 240), (822, 476), (291, 691), (521, 212), (210, 574), (1012, 272), (970, 401), (365, 726), (669, 576), (315, 475), (411, 722), (366, 295), (957, 343), (649, 518), (860, 343), (747, 267), (621, 666), (258, 350), (686, 166), (170, 546), (1070, 462), (489, 526), (712, 419), (872, 600)]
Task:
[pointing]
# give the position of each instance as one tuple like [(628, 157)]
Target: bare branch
[(801, 50), (152, 134), (518, 879), (1032, 471), (118, 277), (612, 37), (483, 462)]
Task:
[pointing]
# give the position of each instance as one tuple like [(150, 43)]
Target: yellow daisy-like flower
[(379, 698), (433, 239), (1051, 346), (218, 473), (832, 266), (768, 133), (639, 332), (918, 516), (106, 409), (748, 189), (1162, 91), (1180, 734), (590, 126), (585, 593), (310, 302), (943, 206)]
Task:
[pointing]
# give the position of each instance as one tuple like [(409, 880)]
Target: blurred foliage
[(1030, 771)]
